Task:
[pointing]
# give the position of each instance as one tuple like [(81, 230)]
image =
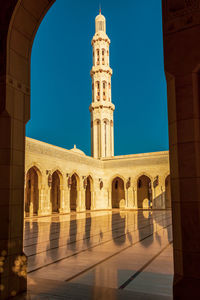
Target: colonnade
[(143, 193), (49, 193)]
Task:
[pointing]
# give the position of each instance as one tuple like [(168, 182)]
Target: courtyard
[(95, 255)]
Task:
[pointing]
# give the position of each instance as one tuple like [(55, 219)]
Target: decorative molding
[(180, 15), (9, 80)]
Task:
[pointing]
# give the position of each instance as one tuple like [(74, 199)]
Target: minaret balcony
[(101, 68), (102, 105)]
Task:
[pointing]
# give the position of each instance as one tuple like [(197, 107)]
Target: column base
[(185, 288), (64, 211), (80, 209), (43, 213), (14, 282)]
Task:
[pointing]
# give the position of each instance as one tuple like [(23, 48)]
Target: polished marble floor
[(98, 255)]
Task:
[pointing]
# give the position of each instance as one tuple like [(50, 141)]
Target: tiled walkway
[(99, 255)]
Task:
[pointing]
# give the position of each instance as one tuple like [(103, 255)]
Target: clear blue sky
[(61, 83)]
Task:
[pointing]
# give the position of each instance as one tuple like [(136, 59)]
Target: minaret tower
[(101, 109)]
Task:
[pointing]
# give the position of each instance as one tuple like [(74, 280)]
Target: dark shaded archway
[(88, 193), (143, 192), (55, 192), (168, 201), (74, 192), (32, 192), (118, 193)]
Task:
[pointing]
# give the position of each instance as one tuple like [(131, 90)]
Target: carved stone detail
[(180, 15)]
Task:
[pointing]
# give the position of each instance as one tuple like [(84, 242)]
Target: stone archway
[(168, 201), (20, 20), (143, 192), (32, 192), (88, 193), (55, 192), (74, 192), (118, 193)]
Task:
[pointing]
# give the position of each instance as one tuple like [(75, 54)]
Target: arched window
[(98, 90), (109, 91), (104, 90), (100, 26), (97, 56), (103, 56)]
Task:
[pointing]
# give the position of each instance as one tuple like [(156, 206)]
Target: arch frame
[(60, 174), (135, 181)]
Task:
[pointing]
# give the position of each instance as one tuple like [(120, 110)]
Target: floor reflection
[(48, 240), (145, 227), (72, 233), (54, 236), (118, 228)]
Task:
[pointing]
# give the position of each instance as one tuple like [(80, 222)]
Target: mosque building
[(58, 180)]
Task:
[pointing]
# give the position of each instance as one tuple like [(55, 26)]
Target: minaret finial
[(100, 8)]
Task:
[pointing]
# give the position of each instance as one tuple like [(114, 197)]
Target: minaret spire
[(102, 108)]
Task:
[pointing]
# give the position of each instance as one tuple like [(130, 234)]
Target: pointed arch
[(88, 193), (144, 196), (57, 180), (74, 190), (32, 186), (118, 192)]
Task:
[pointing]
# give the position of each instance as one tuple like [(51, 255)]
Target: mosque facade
[(58, 180)]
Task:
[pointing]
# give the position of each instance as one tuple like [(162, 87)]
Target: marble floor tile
[(92, 255)]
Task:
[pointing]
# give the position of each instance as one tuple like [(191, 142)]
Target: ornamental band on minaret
[(102, 133)]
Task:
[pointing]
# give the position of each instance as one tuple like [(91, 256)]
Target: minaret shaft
[(102, 135)]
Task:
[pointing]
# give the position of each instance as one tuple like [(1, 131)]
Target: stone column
[(93, 206), (102, 139), (135, 202), (66, 200), (12, 153), (49, 200), (43, 197), (80, 198), (181, 33), (130, 198)]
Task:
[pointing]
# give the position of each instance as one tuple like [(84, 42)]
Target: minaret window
[(98, 90), (100, 26), (104, 90), (109, 86), (97, 56), (103, 57)]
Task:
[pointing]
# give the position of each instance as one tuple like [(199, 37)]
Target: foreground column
[(13, 261), (182, 60)]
